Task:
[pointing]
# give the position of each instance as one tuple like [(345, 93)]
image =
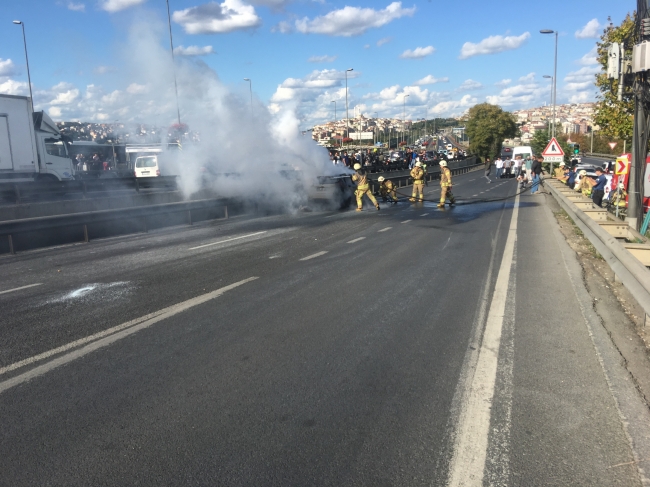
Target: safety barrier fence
[(625, 250), (610, 157), (20, 191), (405, 179), (36, 232)]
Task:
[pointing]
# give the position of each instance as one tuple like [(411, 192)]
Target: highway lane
[(346, 361)]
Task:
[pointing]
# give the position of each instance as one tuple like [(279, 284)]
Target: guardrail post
[(225, 211), (85, 233), (17, 191), (189, 217), (11, 245)]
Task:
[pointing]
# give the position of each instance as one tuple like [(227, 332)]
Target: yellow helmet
[(583, 173), (418, 164), (357, 166), (443, 163), (381, 179)]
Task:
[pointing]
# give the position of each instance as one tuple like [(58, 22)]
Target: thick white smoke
[(243, 151)]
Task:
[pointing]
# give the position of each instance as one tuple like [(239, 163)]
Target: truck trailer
[(31, 146)]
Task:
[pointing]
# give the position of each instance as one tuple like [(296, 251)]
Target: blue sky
[(446, 56)]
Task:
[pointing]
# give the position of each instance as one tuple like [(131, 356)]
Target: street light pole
[(347, 113), (551, 131), (404, 120), (171, 45), (376, 131), (549, 31), (29, 78), (250, 86)]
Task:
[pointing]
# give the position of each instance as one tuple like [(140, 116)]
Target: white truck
[(31, 146)]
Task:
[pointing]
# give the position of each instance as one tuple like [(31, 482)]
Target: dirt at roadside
[(620, 314)]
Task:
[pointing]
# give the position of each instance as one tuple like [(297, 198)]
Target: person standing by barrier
[(528, 164), (498, 162), (559, 171), (488, 167), (363, 187), (418, 182), (386, 189), (536, 171), (598, 191), (445, 185)]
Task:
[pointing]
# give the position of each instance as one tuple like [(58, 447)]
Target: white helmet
[(621, 186), (357, 166), (443, 163), (562, 164), (381, 179), (418, 164)]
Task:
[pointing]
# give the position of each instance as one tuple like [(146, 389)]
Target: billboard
[(362, 135)]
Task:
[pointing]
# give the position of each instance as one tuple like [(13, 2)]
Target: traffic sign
[(612, 145), (553, 149), (622, 166)]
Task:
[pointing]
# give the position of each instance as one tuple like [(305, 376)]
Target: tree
[(487, 127), (614, 117)]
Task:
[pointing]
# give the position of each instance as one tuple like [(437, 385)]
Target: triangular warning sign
[(553, 149)]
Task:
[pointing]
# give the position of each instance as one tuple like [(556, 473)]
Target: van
[(524, 151), (146, 167)]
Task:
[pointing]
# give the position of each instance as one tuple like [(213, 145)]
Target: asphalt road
[(410, 346)]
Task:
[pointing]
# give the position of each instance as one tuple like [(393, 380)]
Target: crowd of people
[(524, 170)]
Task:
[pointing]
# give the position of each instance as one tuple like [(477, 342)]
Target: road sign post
[(553, 153)]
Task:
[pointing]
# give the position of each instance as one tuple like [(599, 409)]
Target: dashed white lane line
[(19, 288), (227, 240), (313, 256), (424, 214), (104, 338), (357, 240), (384, 229), (406, 221), (474, 195)]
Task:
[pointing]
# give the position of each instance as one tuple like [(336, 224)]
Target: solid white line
[(406, 221), (384, 229), (105, 338), (474, 195), (19, 288), (313, 256), (424, 214), (357, 240), (471, 443), (227, 240)]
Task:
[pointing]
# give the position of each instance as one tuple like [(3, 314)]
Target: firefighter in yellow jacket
[(417, 173), (560, 170), (445, 185), (387, 189), (363, 187)]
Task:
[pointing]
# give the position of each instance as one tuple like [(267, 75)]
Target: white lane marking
[(424, 214), (471, 443), (227, 240), (384, 229), (474, 195), (332, 216), (313, 256), (357, 240), (105, 338), (447, 242), (19, 288), (406, 221)]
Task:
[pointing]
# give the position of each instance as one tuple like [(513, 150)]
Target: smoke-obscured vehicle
[(332, 191), (146, 167)]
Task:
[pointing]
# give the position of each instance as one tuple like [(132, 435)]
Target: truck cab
[(54, 159)]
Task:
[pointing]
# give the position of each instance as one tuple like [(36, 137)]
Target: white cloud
[(590, 58), (7, 67), (586, 73), (283, 27), (117, 5), (309, 87), (418, 52), (470, 84), (453, 107), (582, 97), (13, 87), (276, 4), (523, 95), (136, 89), (493, 45), (430, 80), (76, 7), (104, 69), (530, 77), (589, 31), (322, 59), (352, 21), (383, 41), (366, 46), (193, 50), (503, 82), (217, 18)]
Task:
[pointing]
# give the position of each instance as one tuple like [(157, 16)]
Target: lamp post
[(29, 79), (548, 31), (250, 86), (347, 114), (171, 45), (404, 120), (376, 131), (552, 93)]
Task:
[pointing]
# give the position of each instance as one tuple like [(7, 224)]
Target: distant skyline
[(88, 58)]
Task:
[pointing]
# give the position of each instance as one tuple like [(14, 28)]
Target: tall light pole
[(29, 78), (548, 31), (552, 94), (376, 131), (250, 86), (347, 115), (404, 119), (171, 45)]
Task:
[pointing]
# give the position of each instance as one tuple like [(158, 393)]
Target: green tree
[(487, 127), (614, 117)]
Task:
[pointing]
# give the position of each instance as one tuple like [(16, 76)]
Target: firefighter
[(585, 184), (559, 171), (417, 173), (445, 185), (363, 187), (618, 197), (386, 189)]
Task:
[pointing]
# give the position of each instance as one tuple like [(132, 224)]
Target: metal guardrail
[(405, 180), (628, 269), (21, 191), (11, 228), (611, 157)]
